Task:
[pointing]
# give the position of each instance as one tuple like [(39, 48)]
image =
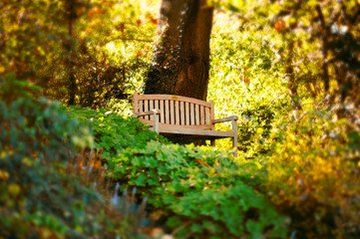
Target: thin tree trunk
[(71, 73), (70, 47), (293, 84), (324, 49)]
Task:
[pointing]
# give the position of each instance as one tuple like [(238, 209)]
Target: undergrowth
[(52, 183), (200, 193), (194, 192)]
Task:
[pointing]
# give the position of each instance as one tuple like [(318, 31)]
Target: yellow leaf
[(4, 175), (14, 189), (27, 162)]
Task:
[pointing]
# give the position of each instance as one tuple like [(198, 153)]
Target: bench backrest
[(175, 110)]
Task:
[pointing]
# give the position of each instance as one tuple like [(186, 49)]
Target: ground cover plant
[(199, 193)]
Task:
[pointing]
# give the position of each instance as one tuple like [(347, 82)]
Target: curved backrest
[(175, 110)]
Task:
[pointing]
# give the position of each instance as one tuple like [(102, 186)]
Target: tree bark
[(69, 45), (181, 59)]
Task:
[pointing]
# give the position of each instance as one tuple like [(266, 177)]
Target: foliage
[(201, 193), (314, 174), (45, 191), (70, 47), (274, 61), (112, 133), (247, 79), (324, 35)]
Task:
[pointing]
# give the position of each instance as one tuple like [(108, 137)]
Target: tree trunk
[(181, 59), (69, 45)]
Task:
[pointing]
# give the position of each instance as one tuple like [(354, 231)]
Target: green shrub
[(254, 129), (113, 133), (200, 192), (44, 193)]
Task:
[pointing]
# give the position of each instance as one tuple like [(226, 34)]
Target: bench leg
[(212, 142), (235, 139), (235, 145), (156, 123)]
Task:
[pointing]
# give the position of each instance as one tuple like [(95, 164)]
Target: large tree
[(181, 59)]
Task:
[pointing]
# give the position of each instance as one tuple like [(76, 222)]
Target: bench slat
[(207, 116), (202, 115), (140, 105), (136, 103), (162, 117), (151, 107), (177, 116), (166, 126), (172, 112), (187, 114), (192, 114), (197, 115), (212, 115), (167, 114), (182, 113), (189, 131), (146, 108), (157, 105)]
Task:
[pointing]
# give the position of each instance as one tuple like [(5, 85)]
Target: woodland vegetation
[(74, 163)]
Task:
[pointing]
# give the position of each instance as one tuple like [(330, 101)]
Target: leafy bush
[(113, 133), (247, 78), (254, 129), (46, 190), (201, 193), (314, 174), (307, 146), (106, 54)]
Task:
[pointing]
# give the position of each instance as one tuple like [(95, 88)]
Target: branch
[(324, 48), (131, 39)]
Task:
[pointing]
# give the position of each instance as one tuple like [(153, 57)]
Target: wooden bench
[(171, 115)]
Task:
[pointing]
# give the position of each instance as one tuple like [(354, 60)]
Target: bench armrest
[(155, 113), (227, 119), (151, 112), (234, 128)]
